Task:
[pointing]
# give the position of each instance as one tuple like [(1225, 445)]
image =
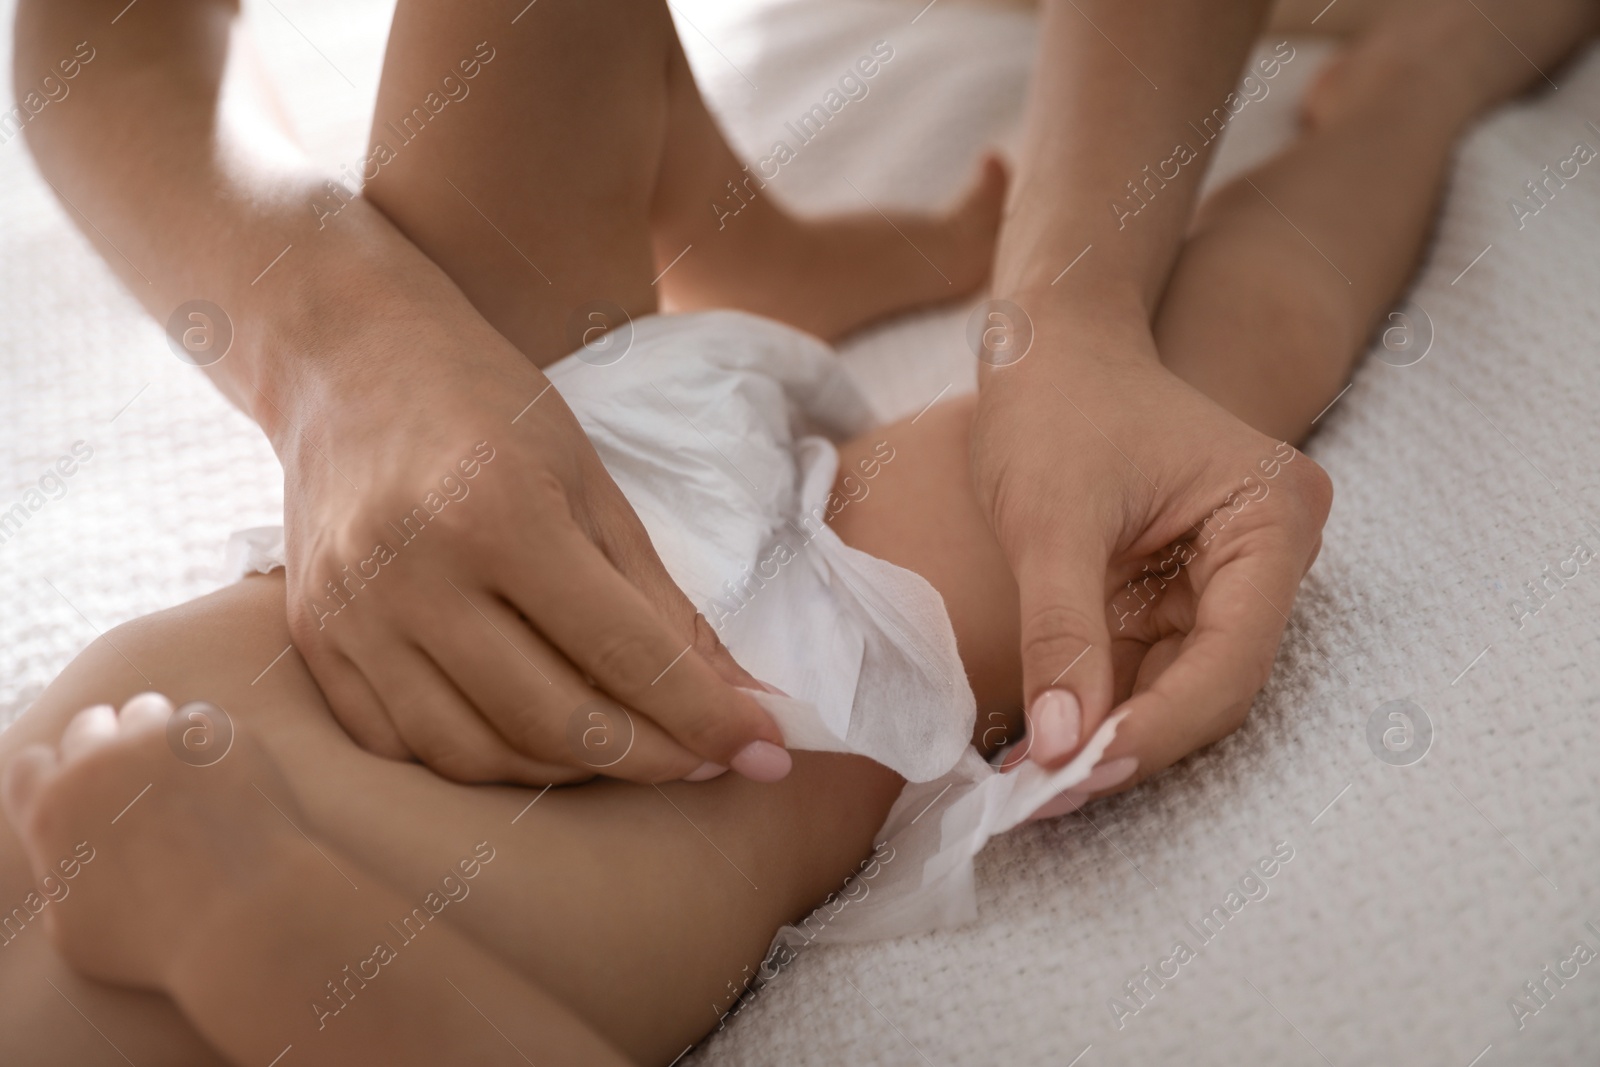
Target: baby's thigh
[(1319, 16), (636, 905), (911, 501), (50, 1015)]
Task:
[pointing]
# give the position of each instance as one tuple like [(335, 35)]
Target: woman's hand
[(1148, 528), (471, 589), (472, 643)]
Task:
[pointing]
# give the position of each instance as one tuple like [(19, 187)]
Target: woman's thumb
[(1066, 657)]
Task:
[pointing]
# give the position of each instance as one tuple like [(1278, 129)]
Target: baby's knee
[(218, 648)]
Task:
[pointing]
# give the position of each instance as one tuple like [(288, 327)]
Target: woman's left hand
[(1097, 466)]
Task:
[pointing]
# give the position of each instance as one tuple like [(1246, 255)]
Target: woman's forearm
[(1116, 88), (171, 157)]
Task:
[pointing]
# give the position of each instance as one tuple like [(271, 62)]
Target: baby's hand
[(831, 275), (135, 839)]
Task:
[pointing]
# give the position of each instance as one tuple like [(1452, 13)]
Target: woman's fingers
[(1154, 738), (1066, 646), (616, 636), (1107, 775), (354, 701), (541, 706), (436, 722), (1195, 687)]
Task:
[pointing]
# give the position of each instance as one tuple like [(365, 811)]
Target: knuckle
[(625, 660), (1258, 671), (1056, 633), (709, 647), (362, 726), (545, 498), (346, 547), (534, 733), (598, 735), (613, 525), (1315, 489), (310, 610), (707, 643), (302, 626), (458, 524), (716, 736), (1233, 718)]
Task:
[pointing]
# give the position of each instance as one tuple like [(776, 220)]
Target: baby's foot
[(135, 846), (1464, 56), (830, 276)]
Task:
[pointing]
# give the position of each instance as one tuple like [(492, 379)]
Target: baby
[(241, 883)]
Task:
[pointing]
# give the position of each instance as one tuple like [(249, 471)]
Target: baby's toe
[(88, 730), (147, 711)]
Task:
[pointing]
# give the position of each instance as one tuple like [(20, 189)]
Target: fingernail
[(1054, 725), (1106, 775), (762, 761), (705, 772)]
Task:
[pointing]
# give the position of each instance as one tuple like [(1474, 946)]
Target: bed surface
[(1418, 900)]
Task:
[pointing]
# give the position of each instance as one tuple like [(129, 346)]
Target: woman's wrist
[(352, 324), (1078, 301), (1072, 247), (1066, 332)]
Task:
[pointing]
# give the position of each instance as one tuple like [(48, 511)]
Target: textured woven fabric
[(1418, 899)]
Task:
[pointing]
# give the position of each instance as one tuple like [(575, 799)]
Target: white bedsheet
[(1418, 900)]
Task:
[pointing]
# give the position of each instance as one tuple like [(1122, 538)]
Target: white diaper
[(718, 428)]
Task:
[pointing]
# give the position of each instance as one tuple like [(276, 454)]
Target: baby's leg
[(236, 915), (532, 185), (1288, 269), (641, 909), (826, 275), (1336, 18), (575, 164)]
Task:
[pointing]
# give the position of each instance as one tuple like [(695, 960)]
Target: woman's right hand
[(471, 649), (470, 588)]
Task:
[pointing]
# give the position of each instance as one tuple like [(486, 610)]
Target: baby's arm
[(196, 881)]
